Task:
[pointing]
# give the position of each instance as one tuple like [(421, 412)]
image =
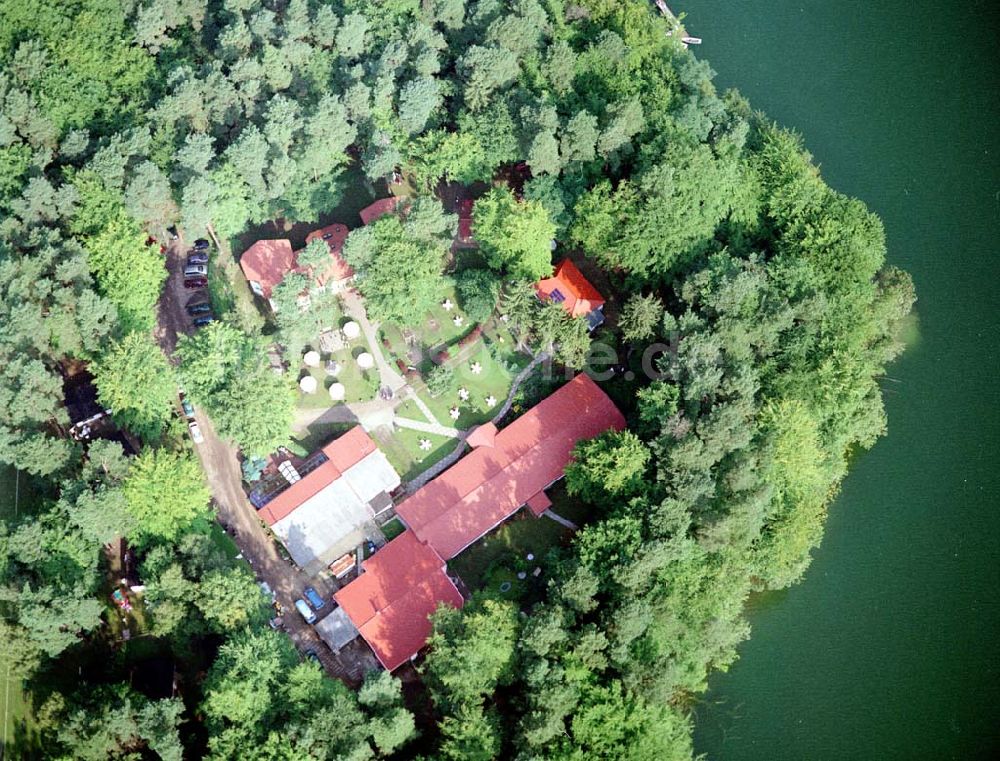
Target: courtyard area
[(416, 389)]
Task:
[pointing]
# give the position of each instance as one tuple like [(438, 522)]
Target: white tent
[(308, 384), (337, 391), (366, 361)]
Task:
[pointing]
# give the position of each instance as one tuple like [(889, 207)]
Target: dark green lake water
[(890, 647)]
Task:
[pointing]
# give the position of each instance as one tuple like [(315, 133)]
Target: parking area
[(239, 517)]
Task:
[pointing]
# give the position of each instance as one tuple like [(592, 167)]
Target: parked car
[(314, 598), (188, 408), (202, 307), (205, 319), (196, 270), (197, 257), (195, 282), (195, 432), (201, 243), (305, 611)]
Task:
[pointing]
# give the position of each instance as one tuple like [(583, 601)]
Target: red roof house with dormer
[(569, 288)]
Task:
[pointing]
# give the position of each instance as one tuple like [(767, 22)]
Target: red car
[(195, 282)]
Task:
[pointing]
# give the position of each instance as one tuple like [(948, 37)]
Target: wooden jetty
[(676, 22)]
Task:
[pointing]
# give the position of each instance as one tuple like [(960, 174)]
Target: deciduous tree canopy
[(582, 122)]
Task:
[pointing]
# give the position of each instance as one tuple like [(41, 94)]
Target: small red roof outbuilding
[(378, 209), (464, 209), (571, 289)]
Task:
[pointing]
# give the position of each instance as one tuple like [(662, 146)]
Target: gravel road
[(235, 512)]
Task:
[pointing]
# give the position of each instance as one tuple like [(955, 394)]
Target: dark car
[(313, 597), (201, 243), (200, 322), (201, 308), (195, 282), (198, 257)]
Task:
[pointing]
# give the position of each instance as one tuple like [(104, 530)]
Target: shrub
[(478, 291), (440, 379)]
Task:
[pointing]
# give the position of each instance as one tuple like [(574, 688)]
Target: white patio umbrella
[(337, 392), (351, 330), (308, 384), (366, 361), (311, 358)]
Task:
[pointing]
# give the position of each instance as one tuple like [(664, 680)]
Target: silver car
[(196, 270)]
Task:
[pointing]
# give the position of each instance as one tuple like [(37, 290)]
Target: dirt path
[(235, 513)]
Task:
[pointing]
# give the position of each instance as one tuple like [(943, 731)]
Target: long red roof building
[(379, 208), (405, 581), (509, 468)]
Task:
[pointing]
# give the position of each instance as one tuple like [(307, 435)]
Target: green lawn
[(16, 707), (315, 436), (403, 450), (436, 331), (501, 554), (359, 385), (393, 528), (494, 380), (17, 497)]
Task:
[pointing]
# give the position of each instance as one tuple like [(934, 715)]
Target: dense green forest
[(587, 123)]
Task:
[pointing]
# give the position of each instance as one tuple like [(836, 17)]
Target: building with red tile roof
[(321, 515), (339, 270), (266, 262), (390, 603), (378, 209), (508, 469), (569, 288), (405, 581)]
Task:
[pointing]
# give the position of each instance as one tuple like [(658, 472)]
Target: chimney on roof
[(482, 436)]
